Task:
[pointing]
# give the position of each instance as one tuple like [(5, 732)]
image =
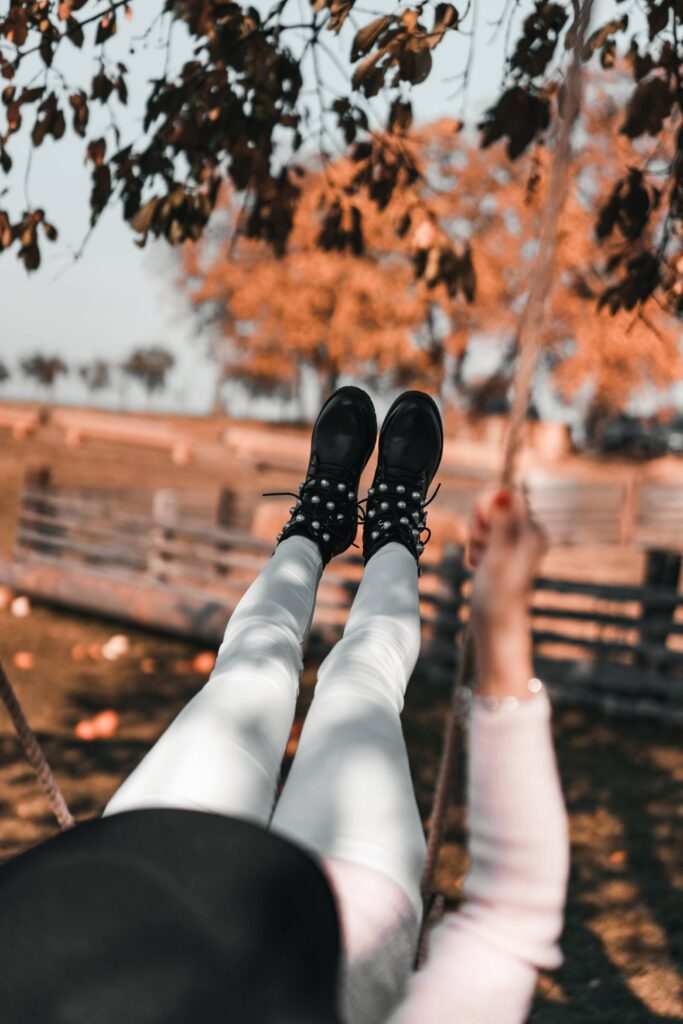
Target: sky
[(115, 296)]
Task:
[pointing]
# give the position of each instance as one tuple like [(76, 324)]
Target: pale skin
[(505, 549)]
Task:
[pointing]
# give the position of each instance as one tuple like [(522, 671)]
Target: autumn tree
[(149, 366), (44, 370), (96, 374), (357, 307), (237, 111), (334, 309)]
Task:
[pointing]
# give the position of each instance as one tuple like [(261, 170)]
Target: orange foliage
[(367, 316)]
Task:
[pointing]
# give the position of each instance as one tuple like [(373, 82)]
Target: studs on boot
[(383, 487), (375, 534), (326, 536), (400, 489), (416, 496), (404, 520), (384, 505), (341, 487), (315, 499), (386, 524), (400, 504), (415, 515), (339, 516), (371, 490), (329, 505), (315, 524), (371, 513), (325, 483), (350, 495), (300, 518)]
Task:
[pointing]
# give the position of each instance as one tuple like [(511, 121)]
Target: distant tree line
[(148, 366)]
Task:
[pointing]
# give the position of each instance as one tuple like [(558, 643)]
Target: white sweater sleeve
[(483, 960)]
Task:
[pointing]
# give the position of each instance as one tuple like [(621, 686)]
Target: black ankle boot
[(326, 508), (410, 449)]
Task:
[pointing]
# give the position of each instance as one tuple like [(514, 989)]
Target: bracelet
[(534, 686)]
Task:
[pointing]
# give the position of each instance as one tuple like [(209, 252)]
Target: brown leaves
[(50, 121), (537, 44), (520, 115), (403, 44), (25, 231), (629, 207), (649, 106)]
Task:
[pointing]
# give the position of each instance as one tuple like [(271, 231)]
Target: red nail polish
[(503, 500)]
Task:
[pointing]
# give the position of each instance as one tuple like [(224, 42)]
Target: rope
[(529, 346), (34, 753)]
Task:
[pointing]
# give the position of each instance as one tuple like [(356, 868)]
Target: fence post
[(37, 479), (164, 517), (225, 517), (662, 573), (452, 574)]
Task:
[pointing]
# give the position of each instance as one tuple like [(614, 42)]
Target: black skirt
[(167, 917)]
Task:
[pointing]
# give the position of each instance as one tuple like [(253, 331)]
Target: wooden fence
[(167, 561)]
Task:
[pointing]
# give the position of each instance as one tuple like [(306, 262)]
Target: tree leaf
[(367, 36)]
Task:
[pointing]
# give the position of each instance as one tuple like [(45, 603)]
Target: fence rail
[(164, 560)]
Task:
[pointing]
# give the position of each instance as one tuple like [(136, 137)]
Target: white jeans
[(349, 795)]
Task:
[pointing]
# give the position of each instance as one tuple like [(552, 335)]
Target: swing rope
[(34, 753), (529, 345)]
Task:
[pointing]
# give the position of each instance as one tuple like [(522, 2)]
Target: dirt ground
[(623, 941)]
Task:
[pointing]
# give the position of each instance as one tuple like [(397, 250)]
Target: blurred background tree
[(149, 366), (349, 303), (44, 370)]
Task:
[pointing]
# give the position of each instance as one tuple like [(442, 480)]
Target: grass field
[(623, 779)]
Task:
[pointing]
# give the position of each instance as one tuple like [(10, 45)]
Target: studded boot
[(410, 449), (326, 507)]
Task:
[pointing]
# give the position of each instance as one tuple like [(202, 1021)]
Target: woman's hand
[(505, 550)]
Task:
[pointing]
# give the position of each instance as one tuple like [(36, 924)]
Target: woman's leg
[(223, 751), (349, 797)]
